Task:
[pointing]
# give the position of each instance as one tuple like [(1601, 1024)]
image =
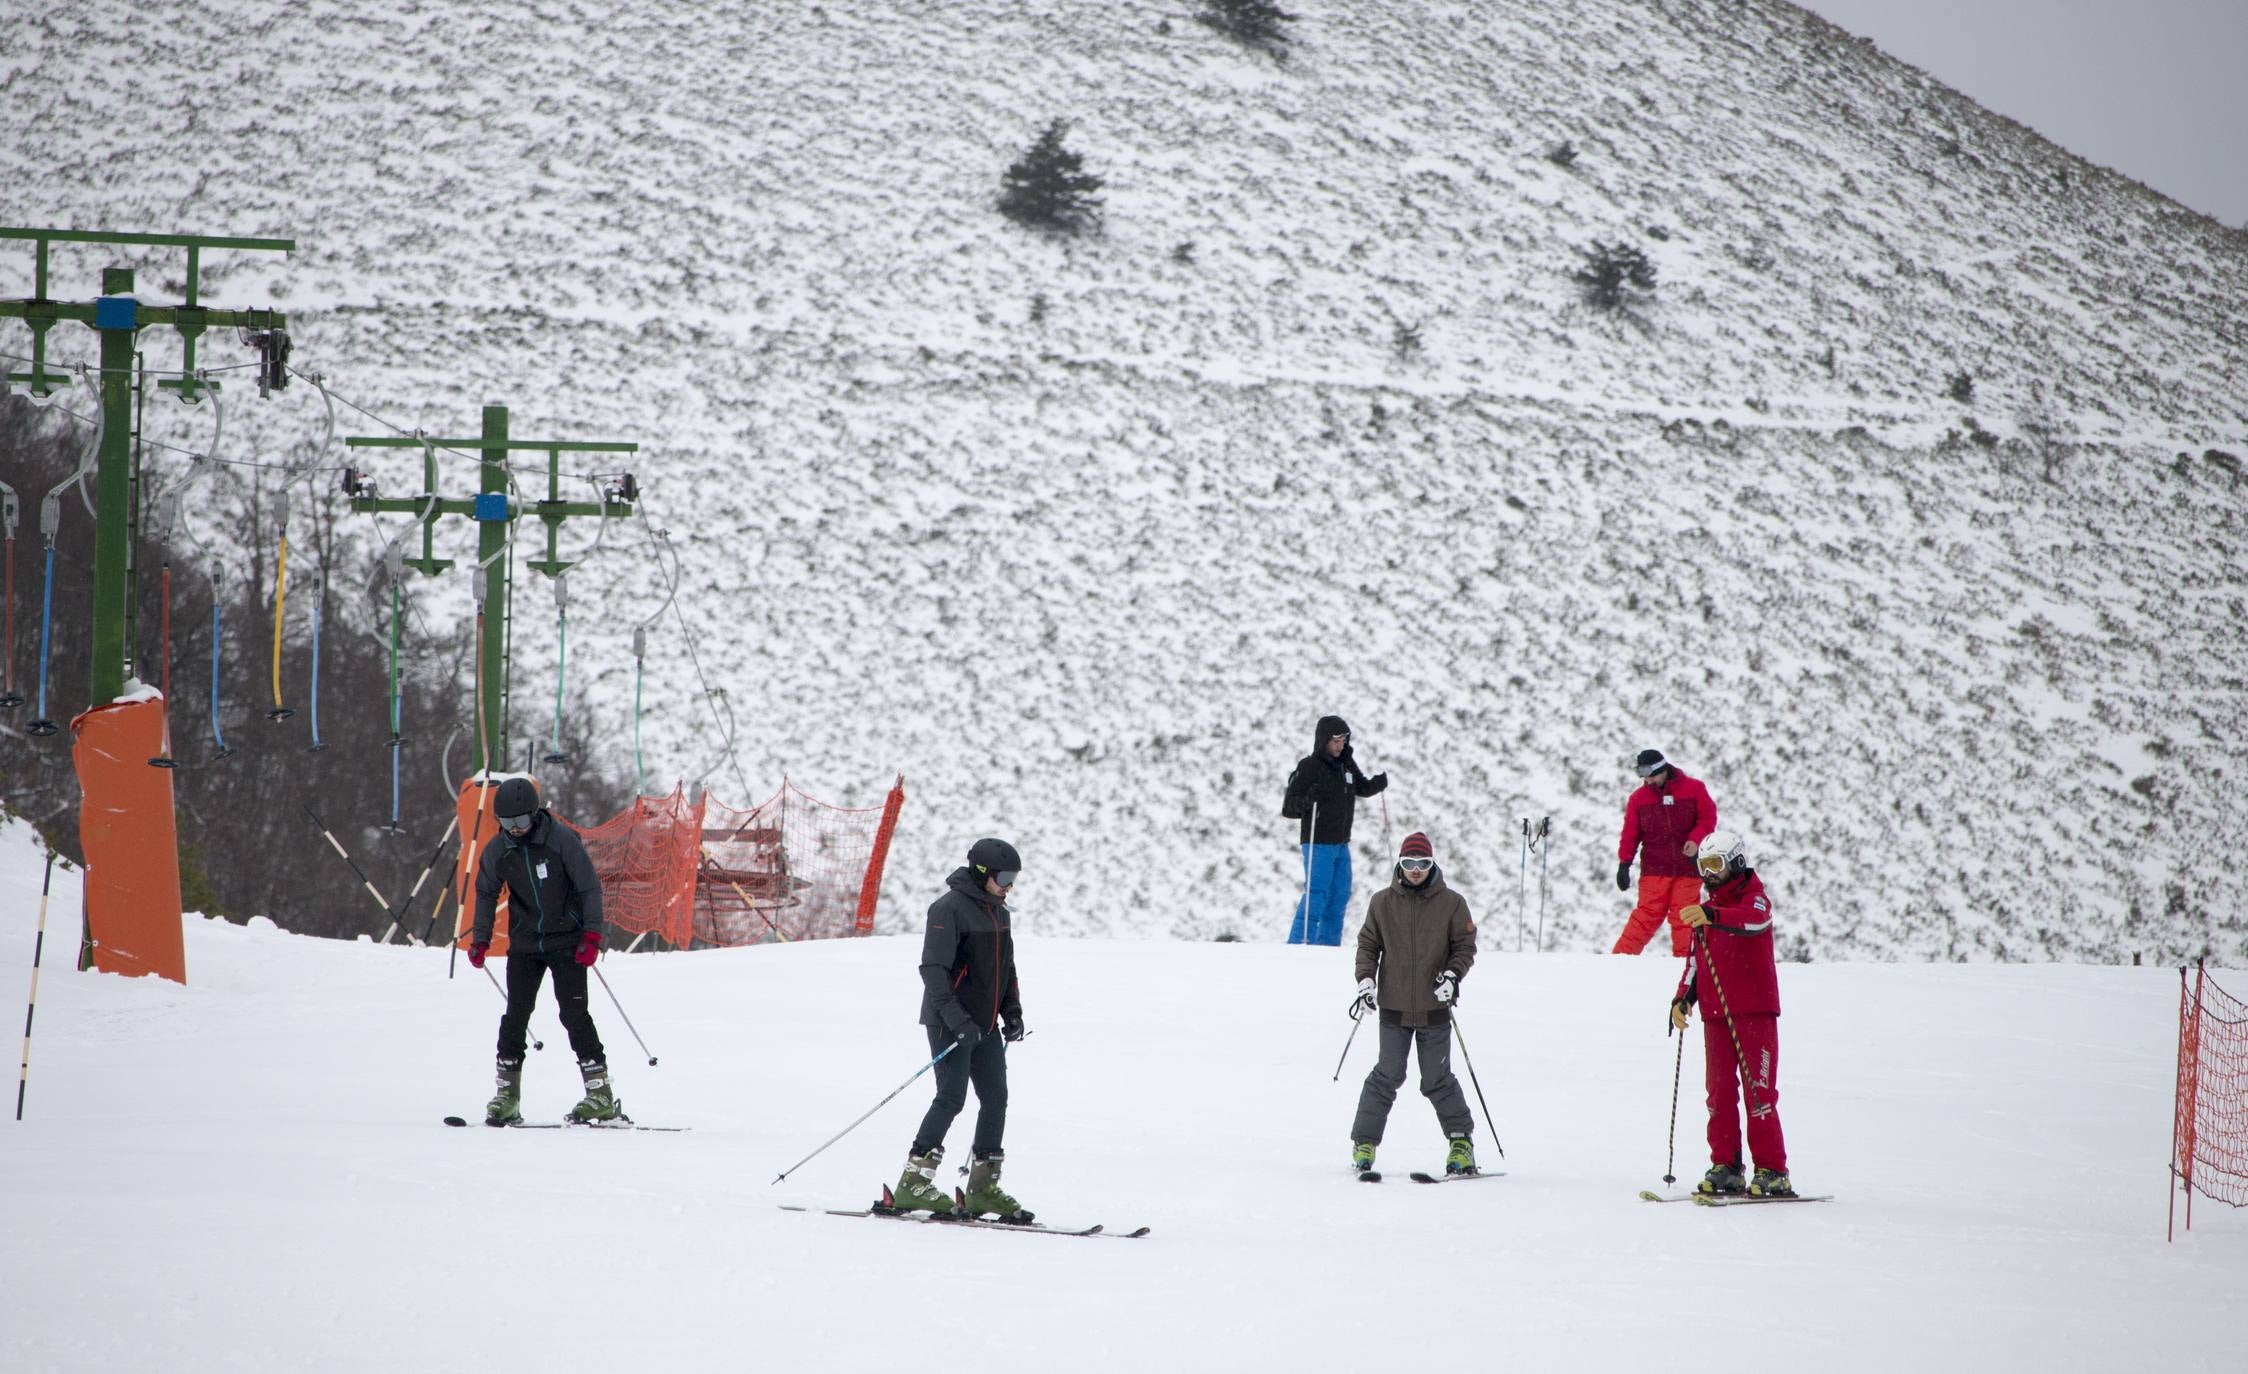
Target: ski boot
[(1770, 1183), (1461, 1158), (985, 1197), (600, 1103), (915, 1192), (506, 1106), (1722, 1180), (1362, 1156)]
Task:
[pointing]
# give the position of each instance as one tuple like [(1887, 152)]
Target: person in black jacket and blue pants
[(1322, 795), (553, 930), (973, 1010)]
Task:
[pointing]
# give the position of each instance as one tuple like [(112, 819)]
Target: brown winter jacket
[(1412, 934)]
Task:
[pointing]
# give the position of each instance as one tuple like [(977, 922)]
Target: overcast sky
[(2156, 89)]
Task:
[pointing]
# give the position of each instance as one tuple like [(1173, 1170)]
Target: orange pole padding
[(131, 838), (473, 809), (870, 887)]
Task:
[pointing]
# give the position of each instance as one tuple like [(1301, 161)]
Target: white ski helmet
[(1722, 855)]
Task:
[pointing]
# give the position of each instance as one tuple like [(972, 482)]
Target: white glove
[(1365, 1002), (1447, 987)]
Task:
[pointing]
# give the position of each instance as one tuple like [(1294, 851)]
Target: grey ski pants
[(1437, 1082)]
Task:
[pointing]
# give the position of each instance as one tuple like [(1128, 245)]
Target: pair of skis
[(888, 1209), (1730, 1199), (1375, 1176), (622, 1123)]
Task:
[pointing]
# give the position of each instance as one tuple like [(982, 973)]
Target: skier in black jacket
[(553, 929), (970, 1003), (1323, 793)]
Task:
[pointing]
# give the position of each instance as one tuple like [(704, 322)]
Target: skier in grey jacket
[(553, 930), (973, 1010), (1420, 940)]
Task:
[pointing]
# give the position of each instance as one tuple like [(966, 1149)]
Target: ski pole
[(869, 1112), (1521, 890), (1670, 1161), (536, 1043), (1311, 838), (1545, 847), (364, 881), (620, 1011), (38, 944), (406, 903), (437, 909), (1469, 1060), (1740, 1056), (1357, 1017)]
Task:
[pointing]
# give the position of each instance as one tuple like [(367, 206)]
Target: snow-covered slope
[(249, 1174), (1082, 537)]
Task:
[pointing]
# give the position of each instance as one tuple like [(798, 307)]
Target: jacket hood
[(1328, 726), (965, 882), (1434, 884)]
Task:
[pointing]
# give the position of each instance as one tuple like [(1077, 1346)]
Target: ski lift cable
[(671, 580)]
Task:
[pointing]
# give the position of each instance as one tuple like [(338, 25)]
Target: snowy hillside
[(249, 1174), (1082, 537)]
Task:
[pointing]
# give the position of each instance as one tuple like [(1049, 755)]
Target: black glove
[(1623, 876), (964, 1031), (1377, 783), (1011, 1029)]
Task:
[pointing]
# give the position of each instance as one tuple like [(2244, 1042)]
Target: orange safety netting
[(794, 868), (645, 856), (701, 873), (2210, 1150)]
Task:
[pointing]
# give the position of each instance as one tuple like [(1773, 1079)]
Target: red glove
[(477, 951), (589, 948)]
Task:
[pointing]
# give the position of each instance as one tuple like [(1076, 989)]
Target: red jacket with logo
[(1660, 820), (1737, 948)]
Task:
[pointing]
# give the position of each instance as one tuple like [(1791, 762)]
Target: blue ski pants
[(1319, 912)]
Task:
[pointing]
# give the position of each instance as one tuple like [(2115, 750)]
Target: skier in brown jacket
[(1420, 939)]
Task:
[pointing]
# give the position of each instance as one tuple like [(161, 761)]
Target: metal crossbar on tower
[(118, 317), (495, 508)]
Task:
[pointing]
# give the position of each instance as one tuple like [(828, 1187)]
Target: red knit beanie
[(1416, 846)]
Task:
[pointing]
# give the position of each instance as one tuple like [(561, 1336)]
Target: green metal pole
[(491, 543), (112, 499)]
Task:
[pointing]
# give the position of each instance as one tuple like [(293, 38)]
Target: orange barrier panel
[(478, 828), (131, 837)]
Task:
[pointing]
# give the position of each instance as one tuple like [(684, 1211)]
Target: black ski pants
[(986, 1067), (523, 973)]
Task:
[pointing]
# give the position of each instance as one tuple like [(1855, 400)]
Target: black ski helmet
[(989, 858), (516, 797)]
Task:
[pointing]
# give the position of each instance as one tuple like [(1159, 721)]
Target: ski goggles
[(515, 825), (1416, 865), (1005, 877)]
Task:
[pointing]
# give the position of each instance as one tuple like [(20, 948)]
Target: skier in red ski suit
[(1733, 978), (1665, 821)]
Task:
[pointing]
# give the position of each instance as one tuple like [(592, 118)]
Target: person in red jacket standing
[(1665, 821), (1735, 981)]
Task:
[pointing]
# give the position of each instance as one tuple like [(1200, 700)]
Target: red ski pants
[(1659, 901), (1759, 1049)]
